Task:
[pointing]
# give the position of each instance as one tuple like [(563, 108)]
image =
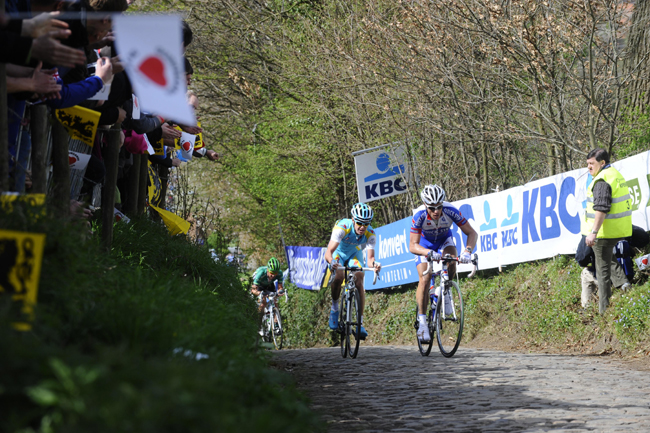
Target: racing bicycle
[(350, 312), (446, 313), (271, 329)]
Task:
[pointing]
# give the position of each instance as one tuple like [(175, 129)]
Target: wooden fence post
[(4, 127), (39, 127), (60, 170), (111, 154), (144, 191), (133, 187)]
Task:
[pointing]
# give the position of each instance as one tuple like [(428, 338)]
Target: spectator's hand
[(110, 37), (169, 132), (191, 129), (48, 49), (104, 70), (121, 116), (77, 210), (176, 162), (44, 84), (42, 24), (117, 65), (212, 155), (122, 137)]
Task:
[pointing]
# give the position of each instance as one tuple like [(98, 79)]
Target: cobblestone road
[(394, 388)]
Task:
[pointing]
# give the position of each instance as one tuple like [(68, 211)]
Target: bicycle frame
[(268, 311), (444, 278), (350, 278)]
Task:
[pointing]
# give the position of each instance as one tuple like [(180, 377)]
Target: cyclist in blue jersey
[(349, 237), (431, 238)]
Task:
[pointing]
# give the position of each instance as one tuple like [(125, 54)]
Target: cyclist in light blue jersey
[(431, 238), (349, 238)]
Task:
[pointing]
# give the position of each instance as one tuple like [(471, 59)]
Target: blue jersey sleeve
[(418, 219)]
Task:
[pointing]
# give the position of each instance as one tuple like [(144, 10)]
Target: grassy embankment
[(532, 306), (115, 342)]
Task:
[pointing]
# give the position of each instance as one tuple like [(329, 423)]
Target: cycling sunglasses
[(435, 208), (362, 224)]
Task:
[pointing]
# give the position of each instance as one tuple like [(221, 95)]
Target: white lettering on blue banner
[(307, 266)]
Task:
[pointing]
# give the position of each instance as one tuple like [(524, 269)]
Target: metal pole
[(110, 153), (60, 170), (39, 148)]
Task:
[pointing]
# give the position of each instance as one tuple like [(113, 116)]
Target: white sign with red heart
[(187, 145), (78, 161), (151, 49)]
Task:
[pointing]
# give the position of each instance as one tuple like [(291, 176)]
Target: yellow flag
[(159, 147), (174, 223), (177, 141), (199, 143), (81, 123), (21, 255), (155, 187)]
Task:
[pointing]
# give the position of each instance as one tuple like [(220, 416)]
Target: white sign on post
[(151, 49), (381, 173)]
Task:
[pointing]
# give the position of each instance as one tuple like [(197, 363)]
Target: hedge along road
[(394, 388)]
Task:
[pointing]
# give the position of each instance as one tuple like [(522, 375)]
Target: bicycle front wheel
[(343, 329), (354, 325), (425, 348), (450, 320), (276, 328)]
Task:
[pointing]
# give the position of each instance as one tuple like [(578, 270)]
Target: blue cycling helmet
[(361, 213)]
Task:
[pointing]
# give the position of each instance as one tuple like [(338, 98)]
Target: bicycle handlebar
[(357, 269), (448, 258)]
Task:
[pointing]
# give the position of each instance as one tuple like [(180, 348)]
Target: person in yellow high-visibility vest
[(608, 218)]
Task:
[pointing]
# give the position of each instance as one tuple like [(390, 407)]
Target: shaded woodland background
[(485, 94)]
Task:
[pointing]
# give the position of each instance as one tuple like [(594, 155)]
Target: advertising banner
[(382, 173), (307, 266), (530, 222)]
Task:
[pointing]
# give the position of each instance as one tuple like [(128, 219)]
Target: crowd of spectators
[(61, 54)]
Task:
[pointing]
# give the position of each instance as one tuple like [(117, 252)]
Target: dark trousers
[(604, 251)]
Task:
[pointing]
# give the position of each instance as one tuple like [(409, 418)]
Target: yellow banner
[(34, 201), (81, 123), (174, 223), (155, 187), (21, 255)]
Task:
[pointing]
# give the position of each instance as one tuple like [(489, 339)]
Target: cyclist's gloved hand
[(334, 265), (433, 256), (465, 257)]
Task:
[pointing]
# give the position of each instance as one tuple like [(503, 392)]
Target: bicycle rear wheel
[(449, 325), (425, 348), (354, 325), (276, 328), (342, 326)]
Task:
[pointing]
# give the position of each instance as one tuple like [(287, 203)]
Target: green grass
[(115, 341)]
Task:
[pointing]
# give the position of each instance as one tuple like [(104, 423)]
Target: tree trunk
[(636, 62)]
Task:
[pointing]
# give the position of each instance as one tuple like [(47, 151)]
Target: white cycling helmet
[(432, 194), (362, 213)]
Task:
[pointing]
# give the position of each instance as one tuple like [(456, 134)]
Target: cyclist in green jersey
[(267, 278)]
